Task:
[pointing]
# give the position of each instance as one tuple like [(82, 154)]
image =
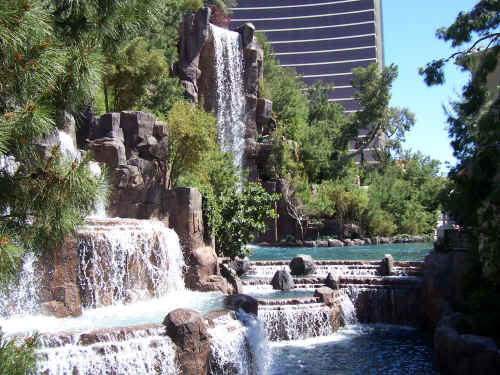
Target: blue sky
[(410, 42)]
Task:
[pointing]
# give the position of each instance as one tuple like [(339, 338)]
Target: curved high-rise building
[(323, 40)]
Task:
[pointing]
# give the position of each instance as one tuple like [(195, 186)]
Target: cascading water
[(142, 352), (230, 92), (240, 347), (294, 322), (21, 296), (125, 259)]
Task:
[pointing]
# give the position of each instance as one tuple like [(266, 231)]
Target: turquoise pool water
[(413, 251)]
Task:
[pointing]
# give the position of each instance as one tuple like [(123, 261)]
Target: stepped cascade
[(116, 290)]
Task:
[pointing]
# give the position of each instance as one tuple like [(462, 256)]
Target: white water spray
[(126, 259), (239, 346), (21, 297), (139, 356), (230, 92)]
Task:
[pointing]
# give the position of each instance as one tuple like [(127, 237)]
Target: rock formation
[(242, 301), (302, 265), (282, 280), (184, 215), (188, 331)]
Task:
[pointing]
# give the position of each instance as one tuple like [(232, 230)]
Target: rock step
[(103, 335), (292, 307), (308, 281), (338, 262), (287, 301)]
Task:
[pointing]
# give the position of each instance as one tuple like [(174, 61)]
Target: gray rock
[(242, 301), (241, 265), (108, 126), (309, 243), (282, 280), (247, 31), (302, 265), (332, 242), (321, 243), (232, 278), (387, 268), (332, 281), (110, 151)]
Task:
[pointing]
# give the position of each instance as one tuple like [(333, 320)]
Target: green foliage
[(321, 140), (478, 26), (406, 194), (132, 72), (192, 133), (242, 213), (191, 6), (18, 357), (231, 213), (48, 198), (44, 199), (474, 129)]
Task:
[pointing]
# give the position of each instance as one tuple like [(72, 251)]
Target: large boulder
[(302, 265), (282, 280), (188, 331), (242, 301)]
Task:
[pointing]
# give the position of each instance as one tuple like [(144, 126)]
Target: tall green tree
[(473, 197), (35, 193), (379, 121)]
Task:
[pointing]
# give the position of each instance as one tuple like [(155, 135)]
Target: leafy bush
[(192, 134), (17, 356)]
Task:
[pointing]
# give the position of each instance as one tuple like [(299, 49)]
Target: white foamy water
[(67, 146), (293, 322), (239, 346), (21, 296), (100, 206), (230, 92), (138, 356), (126, 259)]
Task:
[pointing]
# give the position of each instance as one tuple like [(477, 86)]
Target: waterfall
[(21, 296), (138, 354), (239, 346), (123, 260), (230, 107), (67, 146), (294, 322), (100, 205)]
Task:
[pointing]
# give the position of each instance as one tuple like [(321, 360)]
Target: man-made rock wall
[(464, 354), (184, 215), (443, 282), (455, 353), (134, 147)]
